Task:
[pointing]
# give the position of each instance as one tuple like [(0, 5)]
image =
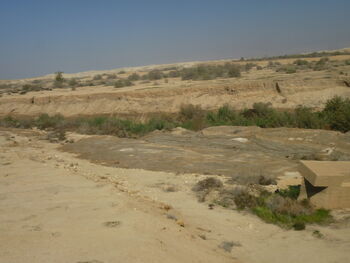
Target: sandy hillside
[(304, 87), (58, 208)]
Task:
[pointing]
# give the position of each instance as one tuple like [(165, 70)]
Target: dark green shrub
[(134, 77), (174, 74), (45, 121), (337, 112), (288, 69), (292, 192), (299, 226), (249, 66), (190, 111), (73, 82), (307, 119), (122, 83), (97, 77), (245, 200), (59, 80), (300, 62), (154, 75)]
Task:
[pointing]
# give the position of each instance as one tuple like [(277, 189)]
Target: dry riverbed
[(56, 207)]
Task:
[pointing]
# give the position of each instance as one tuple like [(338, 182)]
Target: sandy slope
[(54, 208), (310, 88)]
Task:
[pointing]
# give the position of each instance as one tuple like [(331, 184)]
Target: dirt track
[(59, 208)]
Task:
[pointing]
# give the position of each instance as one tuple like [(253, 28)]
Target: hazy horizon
[(41, 37)]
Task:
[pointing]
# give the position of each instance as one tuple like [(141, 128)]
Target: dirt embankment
[(169, 98)]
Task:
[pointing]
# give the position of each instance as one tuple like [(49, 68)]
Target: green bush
[(97, 77), (134, 77), (208, 72), (337, 112), (122, 83), (300, 62), (154, 75), (288, 69), (59, 80), (73, 82), (45, 121), (292, 192)]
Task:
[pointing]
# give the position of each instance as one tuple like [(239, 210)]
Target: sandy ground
[(55, 207)]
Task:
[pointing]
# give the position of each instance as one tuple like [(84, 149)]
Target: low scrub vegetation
[(308, 55), (123, 83), (335, 116), (200, 72), (281, 207)]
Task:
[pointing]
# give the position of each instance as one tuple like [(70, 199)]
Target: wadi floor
[(55, 207)]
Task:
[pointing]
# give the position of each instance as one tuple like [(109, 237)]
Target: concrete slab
[(326, 184)]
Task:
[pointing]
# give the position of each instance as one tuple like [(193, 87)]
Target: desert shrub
[(73, 82), (259, 67), (31, 87), (264, 180), (207, 184), (245, 200), (288, 69), (290, 213), (45, 121), (111, 76), (134, 77), (249, 66), (59, 80), (192, 117), (233, 71), (225, 115), (273, 64), (321, 64), (275, 208), (97, 77), (208, 72), (154, 75), (307, 119), (301, 62), (122, 83), (337, 112), (59, 76), (174, 74), (190, 111), (291, 192), (347, 62)]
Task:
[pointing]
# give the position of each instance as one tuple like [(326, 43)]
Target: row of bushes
[(335, 116), (199, 72), (300, 64), (308, 55)]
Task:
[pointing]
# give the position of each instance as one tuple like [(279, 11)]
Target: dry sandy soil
[(55, 207)]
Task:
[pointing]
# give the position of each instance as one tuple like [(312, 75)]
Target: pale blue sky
[(43, 36)]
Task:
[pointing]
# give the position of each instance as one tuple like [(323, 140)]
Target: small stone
[(180, 223)]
